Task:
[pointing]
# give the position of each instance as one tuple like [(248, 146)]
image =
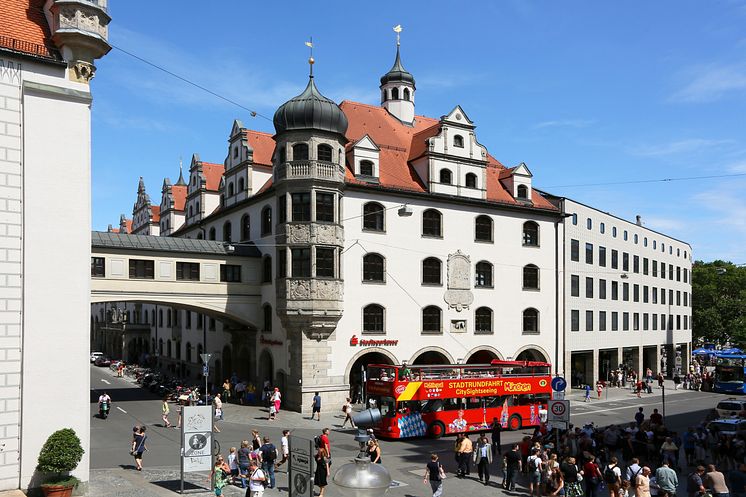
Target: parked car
[(96, 355), (103, 361), (727, 426), (732, 408)]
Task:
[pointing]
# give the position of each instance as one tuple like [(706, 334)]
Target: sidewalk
[(614, 394)]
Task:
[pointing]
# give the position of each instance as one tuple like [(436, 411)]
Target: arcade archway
[(359, 366), (481, 357), (266, 368), (431, 357), (531, 354)]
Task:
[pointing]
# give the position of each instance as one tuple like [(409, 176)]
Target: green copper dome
[(310, 110)]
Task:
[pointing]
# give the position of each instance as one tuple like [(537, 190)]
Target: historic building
[(47, 54), (385, 237)]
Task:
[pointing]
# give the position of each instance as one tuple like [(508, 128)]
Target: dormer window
[(366, 168), (458, 141), (522, 192), (300, 151), (471, 180), (445, 176), (324, 153), (406, 93)]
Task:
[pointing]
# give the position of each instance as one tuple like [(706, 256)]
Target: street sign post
[(196, 440), (205, 370), (559, 384), (300, 468), (559, 410)]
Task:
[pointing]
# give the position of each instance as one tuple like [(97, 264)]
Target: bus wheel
[(437, 429), (514, 423)]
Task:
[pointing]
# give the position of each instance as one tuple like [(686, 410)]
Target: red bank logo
[(353, 340), (400, 389)]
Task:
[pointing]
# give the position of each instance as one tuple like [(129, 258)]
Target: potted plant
[(60, 454)]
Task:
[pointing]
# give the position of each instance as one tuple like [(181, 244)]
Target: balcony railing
[(301, 169)]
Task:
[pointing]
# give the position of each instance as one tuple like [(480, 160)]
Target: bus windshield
[(729, 373)]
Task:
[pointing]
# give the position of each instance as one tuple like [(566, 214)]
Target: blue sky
[(583, 92)]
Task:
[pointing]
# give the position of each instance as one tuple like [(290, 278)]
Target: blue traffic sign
[(559, 384)]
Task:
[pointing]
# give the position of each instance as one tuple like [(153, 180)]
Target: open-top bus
[(446, 399), (729, 373)]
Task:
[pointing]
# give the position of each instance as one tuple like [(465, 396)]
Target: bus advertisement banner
[(460, 388)]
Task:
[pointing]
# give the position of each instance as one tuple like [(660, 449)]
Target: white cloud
[(738, 167), (566, 123), (679, 147), (712, 82)]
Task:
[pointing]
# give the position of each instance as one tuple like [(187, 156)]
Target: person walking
[(694, 484), (256, 480), (639, 416), (227, 390), (715, 481), (667, 480), (599, 388), (570, 475), (268, 452), (466, 450), (220, 475), (256, 440), (233, 463), (138, 446), (347, 410), (243, 458), (591, 476), (512, 467), (325, 443), (218, 403), (496, 429), (534, 465), (316, 406), (165, 410), (587, 393), (483, 458), (434, 475), (285, 444), (642, 486), (321, 475), (613, 477)]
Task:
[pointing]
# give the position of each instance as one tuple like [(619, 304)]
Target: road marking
[(105, 381), (125, 412), (596, 411)]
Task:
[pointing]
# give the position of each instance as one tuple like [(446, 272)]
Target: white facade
[(623, 283)]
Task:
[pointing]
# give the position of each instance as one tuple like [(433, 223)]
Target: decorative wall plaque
[(459, 294)]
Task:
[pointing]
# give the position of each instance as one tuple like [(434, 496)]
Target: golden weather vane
[(397, 30), (309, 44)]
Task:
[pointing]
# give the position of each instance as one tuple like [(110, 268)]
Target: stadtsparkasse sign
[(367, 342)]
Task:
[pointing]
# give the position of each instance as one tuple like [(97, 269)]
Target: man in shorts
[(316, 406)]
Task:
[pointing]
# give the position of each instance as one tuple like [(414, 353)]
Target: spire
[(397, 73), (141, 186), (181, 181), (309, 44)]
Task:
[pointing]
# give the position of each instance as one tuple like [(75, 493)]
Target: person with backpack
[(613, 477), (257, 481), (591, 476), (534, 473), (434, 475), (268, 452)]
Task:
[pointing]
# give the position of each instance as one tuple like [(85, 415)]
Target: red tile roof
[(179, 194), (24, 28), (128, 225), (213, 173), (263, 145), (155, 213)]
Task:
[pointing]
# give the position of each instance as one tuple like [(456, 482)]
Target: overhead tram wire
[(641, 181)]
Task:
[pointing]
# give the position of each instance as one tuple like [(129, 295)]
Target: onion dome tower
[(397, 89)]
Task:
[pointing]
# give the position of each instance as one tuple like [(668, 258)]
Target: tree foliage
[(61, 452), (719, 303)]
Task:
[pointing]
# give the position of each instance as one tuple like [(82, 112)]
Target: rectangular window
[(636, 292), (324, 207), (200, 321), (589, 253), (588, 320), (614, 259), (636, 264), (301, 206), (230, 273), (678, 297), (142, 269), (187, 271), (625, 261), (282, 263), (686, 300), (645, 321), (686, 322), (282, 209), (300, 262), (645, 265), (602, 289), (574, 320), (614, 321), (614, 290), (575, 285), (625, 292), (645, 294), (655, 322), (670, 297), (212, 324), (325, 262), (601, 320), (663, 296), (663, 270), (655, 295), (678, 321), (663, 322), (188, 319), (602, 256), (655, 268), (574, 250), (686, 275), (98, 267), (636, 321), (589, 288), (168, 319), (670, 271), (625, 321)]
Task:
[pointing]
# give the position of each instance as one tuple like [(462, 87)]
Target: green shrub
[(61, 452)]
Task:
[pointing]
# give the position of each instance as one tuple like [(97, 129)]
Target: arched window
[(373, 315), (300, 151), (483, 320), (483, 229), (267, 269), (522, 191), (168, 348), (530, 234), (395, 94), (267, 315), (160, 346), (431, 271), (431, 322), (188, 352), (230, 189), (241, 185), (191, 211), (373, 267), (324, 152), (366, 168), (199, 236), (530, 320), (432, 223), (211, 235), (636, 238), (245, 227), (445, 176), (373, 217), (471, 180), (267, 221), (227, 232), (483, 274), (196, 209), (406, 93), (575, 221), (530, 277), (458, 141)]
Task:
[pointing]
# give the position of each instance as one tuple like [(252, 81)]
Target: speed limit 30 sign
[(559, 410)]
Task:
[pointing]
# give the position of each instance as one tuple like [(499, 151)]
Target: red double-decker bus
[(446, 399)]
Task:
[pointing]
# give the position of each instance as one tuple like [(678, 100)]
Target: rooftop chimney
[(638, 220)]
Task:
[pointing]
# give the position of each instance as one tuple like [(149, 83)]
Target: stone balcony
[(310, 233), (310, 169), (312, 305)]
